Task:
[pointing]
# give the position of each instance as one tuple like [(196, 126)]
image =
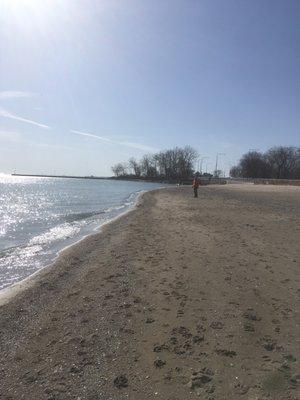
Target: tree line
[(276, 163), (174, 164)]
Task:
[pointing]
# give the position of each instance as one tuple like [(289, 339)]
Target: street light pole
[(198, 163), (217, 160), (201, 162)]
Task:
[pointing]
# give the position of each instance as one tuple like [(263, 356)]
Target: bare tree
[(173, 164), (188, 156), (235, 172), (119, 169), (135, 166), (282, 161), (176, 163), (254, 165), (148, 166), (296, 171), (278, 162)]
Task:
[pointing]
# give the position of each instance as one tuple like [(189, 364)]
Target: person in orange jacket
[(196, 184)]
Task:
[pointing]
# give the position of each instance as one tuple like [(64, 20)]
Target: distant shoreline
[(205, 180), (62, 176), (121, 178)]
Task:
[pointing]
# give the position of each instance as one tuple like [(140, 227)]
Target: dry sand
[(182, 298)]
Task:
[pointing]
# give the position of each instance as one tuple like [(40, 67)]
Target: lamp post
[(217, 160), (201, 162), (198, 162)]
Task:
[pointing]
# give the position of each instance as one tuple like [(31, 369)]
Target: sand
[(182, 298)]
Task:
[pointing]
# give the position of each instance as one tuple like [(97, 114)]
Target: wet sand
[(182, 298)]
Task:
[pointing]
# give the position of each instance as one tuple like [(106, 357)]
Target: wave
[(129, 201), (57, 233), (79, 216), (72, 226)]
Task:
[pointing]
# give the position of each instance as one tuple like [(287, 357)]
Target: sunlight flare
[(24, 11)]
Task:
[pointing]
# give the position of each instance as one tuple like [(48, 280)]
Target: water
[(40, 216)]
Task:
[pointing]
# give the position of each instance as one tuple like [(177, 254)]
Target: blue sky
[(222, 76)]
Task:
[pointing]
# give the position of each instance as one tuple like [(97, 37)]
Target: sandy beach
[(181, 298)]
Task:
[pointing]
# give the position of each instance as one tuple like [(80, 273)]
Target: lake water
[(40, 216)]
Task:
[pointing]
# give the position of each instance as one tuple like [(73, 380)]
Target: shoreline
[(179, 298), (8, 293)]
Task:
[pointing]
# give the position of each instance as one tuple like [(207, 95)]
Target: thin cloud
[(14, 94), (133, 145), (7, 114), (92, 136)]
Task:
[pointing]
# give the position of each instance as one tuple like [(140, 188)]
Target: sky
[(85, 84)]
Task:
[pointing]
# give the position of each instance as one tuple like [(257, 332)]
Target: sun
[(19, 7), (29, 14)]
